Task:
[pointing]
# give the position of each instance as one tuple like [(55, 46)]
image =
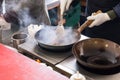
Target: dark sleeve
[(117, 9), (115, 12), (11, 17)]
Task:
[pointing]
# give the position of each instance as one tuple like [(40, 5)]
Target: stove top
[(31, 47)]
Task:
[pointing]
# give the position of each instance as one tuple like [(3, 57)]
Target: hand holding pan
[(86, 23)]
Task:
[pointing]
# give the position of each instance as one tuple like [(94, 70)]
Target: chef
[(107, 24)]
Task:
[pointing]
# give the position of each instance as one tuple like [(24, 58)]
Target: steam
[(14, 5), (69, 37), (3, 7), (48, 36), (25, 18), (22, 8)]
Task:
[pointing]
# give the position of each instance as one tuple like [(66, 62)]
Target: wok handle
[(86, 23)]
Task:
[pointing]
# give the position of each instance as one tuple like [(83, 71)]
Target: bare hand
[(61, 22)]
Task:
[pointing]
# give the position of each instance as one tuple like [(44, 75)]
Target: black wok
[(64, 47), (98, 55)]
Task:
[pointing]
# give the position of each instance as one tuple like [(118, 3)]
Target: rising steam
[(29, 11), (48, 35)]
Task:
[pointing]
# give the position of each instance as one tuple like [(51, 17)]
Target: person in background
[(70, 13), (22, 13), (25, 12), (106, 24)]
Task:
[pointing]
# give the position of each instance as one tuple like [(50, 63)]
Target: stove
[(63, 62), (31, 47)]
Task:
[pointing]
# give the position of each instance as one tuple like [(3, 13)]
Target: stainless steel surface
[(30, 47), (63, 63), (70, 66)]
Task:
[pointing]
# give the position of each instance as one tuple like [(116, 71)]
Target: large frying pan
[(49, 46), (61, 47)]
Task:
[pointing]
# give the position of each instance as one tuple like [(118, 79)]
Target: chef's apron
[(109, 30), (72, 15)]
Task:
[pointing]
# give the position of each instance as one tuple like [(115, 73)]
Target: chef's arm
[(104, 17), (11, 17), (115, 12)]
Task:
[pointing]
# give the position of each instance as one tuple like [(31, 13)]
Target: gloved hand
[(98, 19), (3, 24)]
